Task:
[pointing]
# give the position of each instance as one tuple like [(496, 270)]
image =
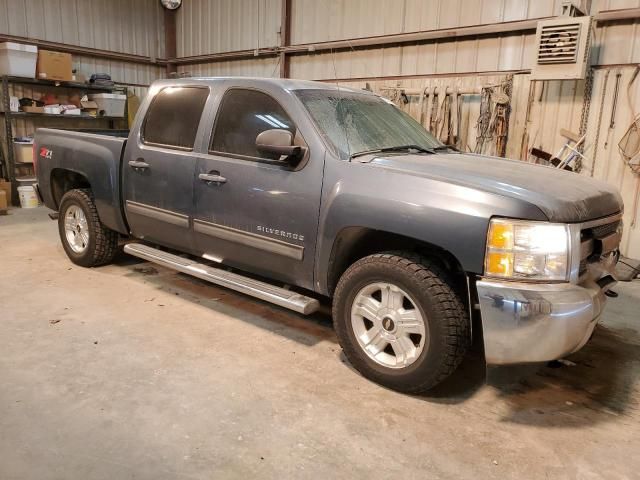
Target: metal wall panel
[(118, 25), (504, 53), (317, 21), (613, 44), (258, 67), (606, 162), (205, 26)]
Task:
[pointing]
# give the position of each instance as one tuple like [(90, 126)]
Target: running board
[(264, 291)]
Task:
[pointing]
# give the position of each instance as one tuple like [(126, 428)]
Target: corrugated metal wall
[(117, 25), (206, 26), (254, 67), (614, 44), (606, 162), (458, 63), (314, 21)]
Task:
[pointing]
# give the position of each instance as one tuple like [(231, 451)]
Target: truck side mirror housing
[(279, 142)]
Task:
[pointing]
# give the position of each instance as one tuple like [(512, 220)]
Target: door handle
[(212, 177), (139, 164)]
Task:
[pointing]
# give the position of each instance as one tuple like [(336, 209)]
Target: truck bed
[(65, 156)]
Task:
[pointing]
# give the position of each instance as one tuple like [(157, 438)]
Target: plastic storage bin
[(109, 104), (18, 60), (23, 150)]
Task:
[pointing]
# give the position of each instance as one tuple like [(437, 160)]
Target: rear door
[(262, 216), (159, 166)]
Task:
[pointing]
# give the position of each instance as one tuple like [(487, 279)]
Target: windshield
[(357, 122)]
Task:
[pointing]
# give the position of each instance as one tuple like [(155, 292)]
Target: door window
[(173, 117), (243, 115)]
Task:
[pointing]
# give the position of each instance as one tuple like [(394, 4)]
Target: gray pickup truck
[(295, 191)]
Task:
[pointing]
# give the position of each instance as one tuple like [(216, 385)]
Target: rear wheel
[(400, 322), (86, 241)]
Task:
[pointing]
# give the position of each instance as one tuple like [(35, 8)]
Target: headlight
[(518, 249)]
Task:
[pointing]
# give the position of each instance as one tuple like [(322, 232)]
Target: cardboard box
[(90, 107), (6, 187), (33, 109), (54, 66), (3, 200)]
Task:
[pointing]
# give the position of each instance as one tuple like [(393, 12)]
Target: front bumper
[(528, 322)]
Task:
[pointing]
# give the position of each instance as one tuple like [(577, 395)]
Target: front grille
[(591, 248), (583, 267), (602, 231)]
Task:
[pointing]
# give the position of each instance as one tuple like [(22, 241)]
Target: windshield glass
[(357, 122)]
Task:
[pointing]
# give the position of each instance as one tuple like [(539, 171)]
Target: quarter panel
[(96, 157)]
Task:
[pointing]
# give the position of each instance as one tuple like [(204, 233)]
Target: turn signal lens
[(501, 235), (500, 264)]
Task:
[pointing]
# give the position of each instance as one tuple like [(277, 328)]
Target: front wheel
[(400, 322), (86, 241)]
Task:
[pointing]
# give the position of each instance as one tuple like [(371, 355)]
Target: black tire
[(445, 314), (102, 245)]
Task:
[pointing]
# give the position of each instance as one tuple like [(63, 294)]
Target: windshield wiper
[(441, 148), (398, 148)]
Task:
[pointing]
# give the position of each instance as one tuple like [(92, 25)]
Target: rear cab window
[(173, 117)]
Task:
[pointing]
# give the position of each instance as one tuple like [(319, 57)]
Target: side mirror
[(279, 142)]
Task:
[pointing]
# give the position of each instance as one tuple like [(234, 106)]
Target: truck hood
[(562, 196)]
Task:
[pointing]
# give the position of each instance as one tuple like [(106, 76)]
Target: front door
[(159, 168), (252, 212)]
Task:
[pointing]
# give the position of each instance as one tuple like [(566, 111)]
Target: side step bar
[(264, 291)]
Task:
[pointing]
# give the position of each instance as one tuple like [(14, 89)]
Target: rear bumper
[(526, 323)]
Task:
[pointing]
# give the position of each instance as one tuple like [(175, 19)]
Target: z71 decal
[(46, 153)]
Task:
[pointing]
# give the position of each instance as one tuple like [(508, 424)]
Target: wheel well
[(64, 180), (354, 243)]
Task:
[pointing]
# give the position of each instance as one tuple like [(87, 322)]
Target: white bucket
[(28, 197)]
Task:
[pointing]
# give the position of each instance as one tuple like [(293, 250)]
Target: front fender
[(452, 217)]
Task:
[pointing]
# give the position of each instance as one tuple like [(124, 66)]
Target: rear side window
[(244, 114), (173, 117)]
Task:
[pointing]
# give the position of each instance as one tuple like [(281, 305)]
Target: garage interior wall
[(250, 31), (465, 63), (110, 26)]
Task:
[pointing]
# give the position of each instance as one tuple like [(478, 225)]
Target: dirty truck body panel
[(94, 157), (284, 221)]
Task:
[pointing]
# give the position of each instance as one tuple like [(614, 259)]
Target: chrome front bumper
[(528, 322)]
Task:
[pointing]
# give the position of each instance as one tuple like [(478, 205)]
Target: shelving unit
[(8, 162)]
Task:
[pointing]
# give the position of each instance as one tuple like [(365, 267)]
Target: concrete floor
[(133, 371)]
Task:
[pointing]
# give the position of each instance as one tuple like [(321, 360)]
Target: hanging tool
[(612, 122)]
